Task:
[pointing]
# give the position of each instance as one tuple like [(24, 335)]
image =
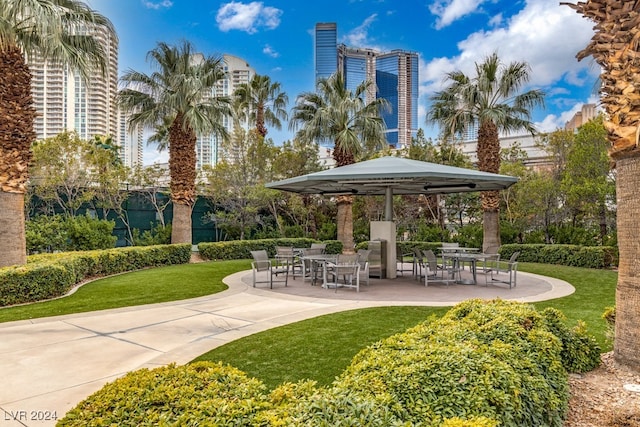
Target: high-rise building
[(326, 50), (130, 142), (209, 147), (65, 101), (394, 74)]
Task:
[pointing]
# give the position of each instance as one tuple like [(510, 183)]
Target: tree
[(61, 172), (182, 90), (50, 29), (614, 46), (335, 113), (586, 179), (261, 102), (489, 99)]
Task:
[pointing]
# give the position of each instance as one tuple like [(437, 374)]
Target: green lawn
[(148, 286), (321, 348), (318, 348)]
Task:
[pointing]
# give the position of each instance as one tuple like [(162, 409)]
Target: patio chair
[(264, 269), (321, 246), (489, 258), (308, 266), (347, 267), (418, 263), (287, 256), (432, 268), (363, 260), (400, 261), (508, 268)]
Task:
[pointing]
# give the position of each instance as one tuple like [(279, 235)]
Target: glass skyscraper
[(326, 50), (395, 77)]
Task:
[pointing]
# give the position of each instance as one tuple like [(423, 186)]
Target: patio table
[(318, 263)]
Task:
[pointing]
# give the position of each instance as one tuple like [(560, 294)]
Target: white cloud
[(268, 50), (449, 11), (359, 36), (544, 34), (247, 17), (157, 4)]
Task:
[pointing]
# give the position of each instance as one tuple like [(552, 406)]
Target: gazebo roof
[(403, 176)]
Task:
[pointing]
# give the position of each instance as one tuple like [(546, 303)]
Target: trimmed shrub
[(241, 249), (484, 364), (48, 276), (572, 255), (203, 393), (498, 360)]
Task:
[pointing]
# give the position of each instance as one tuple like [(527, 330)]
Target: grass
[(318, 348), (149, 286), (321, 348)]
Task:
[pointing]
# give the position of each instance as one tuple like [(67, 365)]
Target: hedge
[(241, 249), (572, 255), (48, 276), (483, 364)]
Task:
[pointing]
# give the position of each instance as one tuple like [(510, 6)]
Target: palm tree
[(335, 113), (261, 102), (52, 30), (490, 99), (183, 90), (615, 48)]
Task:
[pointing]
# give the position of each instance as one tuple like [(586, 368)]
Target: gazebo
[(391, 176)]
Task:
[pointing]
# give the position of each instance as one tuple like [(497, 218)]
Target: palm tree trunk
[(345, 223), (14, 250), (182, 168), (628, 289), (489, 161), (16, 135)]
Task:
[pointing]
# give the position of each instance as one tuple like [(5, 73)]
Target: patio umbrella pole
[(388, 204)]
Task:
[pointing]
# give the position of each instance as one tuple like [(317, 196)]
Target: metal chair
[(509, 268), (347, 267), (308, 266), (432, 268), (363, 260), (287, 256), (262, 265), (321, 246), (489, 258)]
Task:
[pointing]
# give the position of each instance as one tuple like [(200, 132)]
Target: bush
[(572, 255), (48, 276), (57, 234), (157, 235), (203, 393), (499, 360), (241, 249), (484, 364)]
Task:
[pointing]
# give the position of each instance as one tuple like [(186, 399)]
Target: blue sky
[(276, 38)]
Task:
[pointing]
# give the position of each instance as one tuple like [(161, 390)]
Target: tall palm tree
[(50, 29), (490, 99), (615, 48), (338, 114), (182, 89), (262, 102)]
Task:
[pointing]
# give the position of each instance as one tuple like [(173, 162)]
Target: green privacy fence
[(142, 215)]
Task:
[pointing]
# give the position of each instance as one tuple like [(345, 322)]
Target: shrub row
[(573, 255), (48, 276), (483, 364), (241, 249)]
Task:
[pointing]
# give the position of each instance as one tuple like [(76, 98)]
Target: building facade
[(209, 148), (65, 101), (394, 74)]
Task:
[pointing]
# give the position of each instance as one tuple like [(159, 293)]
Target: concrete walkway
[(47, 366)]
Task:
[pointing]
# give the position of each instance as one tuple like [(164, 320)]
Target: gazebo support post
[(386, 230)]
